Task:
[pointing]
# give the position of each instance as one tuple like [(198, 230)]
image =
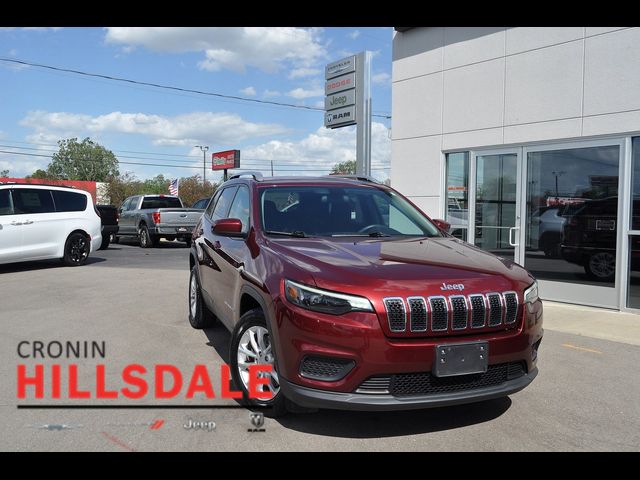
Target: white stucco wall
[(457, 88)]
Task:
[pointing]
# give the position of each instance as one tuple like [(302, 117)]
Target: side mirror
[(230, 227), (441, 224)]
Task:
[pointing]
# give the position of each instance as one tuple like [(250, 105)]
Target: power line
[(250, 160), (167, 87), (190, 166)]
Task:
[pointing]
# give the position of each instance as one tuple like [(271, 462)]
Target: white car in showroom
[(39, 222)]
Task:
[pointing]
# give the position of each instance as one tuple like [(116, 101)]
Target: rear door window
[(5, 202), (28, 200), (69, 201)]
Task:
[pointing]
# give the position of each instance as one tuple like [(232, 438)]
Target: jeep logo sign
[(339, 100), (452, 286)]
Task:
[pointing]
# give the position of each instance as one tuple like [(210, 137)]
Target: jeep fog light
[(317, 300)]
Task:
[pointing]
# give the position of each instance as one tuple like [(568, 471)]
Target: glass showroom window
[(633, 290), (572, 214), (457, 193)]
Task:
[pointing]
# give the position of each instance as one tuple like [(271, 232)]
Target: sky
[(149, 125)]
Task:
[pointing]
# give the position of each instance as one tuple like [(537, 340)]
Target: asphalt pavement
[(135, 300)]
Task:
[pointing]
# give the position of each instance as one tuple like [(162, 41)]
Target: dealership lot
[(133, 299)]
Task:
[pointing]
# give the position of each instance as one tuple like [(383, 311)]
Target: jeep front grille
[(453, 314)]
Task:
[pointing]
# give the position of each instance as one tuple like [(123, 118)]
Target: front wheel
[(199, 315), (76, 250), (251, 345), (601, 266)]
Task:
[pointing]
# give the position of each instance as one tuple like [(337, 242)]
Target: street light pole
[(204, 149)]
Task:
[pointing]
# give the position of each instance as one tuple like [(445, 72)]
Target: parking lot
[(585, 397)]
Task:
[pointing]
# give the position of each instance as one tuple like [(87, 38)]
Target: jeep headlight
[(323, 301), (531, 293)]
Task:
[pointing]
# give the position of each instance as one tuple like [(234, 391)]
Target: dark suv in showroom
[(357, 299)]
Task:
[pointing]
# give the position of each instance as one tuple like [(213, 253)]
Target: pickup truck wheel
[(76, 250), (199, 315), (105, 242), (145, 237), (251, 345), (115, 238)]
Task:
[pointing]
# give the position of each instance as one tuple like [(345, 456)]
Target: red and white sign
[(225, 160)]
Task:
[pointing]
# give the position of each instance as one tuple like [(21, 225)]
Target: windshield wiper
[(372, 234), (295, 233)]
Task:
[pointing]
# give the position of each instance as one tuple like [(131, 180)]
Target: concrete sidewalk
[(592, 322)]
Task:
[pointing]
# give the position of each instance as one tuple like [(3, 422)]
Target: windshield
[(340, 211)]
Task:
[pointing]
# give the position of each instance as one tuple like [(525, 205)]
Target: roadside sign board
[(339, 100), (340, 117), (335, 69), (338, 84), (225, 160)]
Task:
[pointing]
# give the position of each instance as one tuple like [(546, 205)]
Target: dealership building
[(527, 141)]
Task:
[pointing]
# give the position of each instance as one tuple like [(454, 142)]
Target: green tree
[(344, 168), (122, 186), (157, 184), (191, 189), (39, 174), (4, 173), (84, 160)]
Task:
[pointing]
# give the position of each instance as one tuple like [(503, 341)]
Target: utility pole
[(204, 149), (272, 168)]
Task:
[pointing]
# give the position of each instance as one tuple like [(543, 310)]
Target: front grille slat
[(495, 309), (478, 311), (396, 314), (439, 314), (418, 314), (511, 307), (459, 312)]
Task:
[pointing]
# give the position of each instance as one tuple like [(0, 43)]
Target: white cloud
[(319, 151), (355, 34), (303, 72), (382, 78), (271, 93), (302, 93), (218, 128), (249, 91), (234, 48)]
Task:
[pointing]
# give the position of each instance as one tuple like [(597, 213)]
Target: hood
[(416, 266)]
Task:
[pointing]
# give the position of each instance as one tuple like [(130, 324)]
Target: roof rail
[(362, 178), (253, 174), (39, 185)]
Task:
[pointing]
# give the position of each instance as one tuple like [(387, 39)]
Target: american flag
[(173, 187)]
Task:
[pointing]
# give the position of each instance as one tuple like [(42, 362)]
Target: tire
[(105, 242), (601, 266), (254, 321), (115, 238), (76, 250), (145, 237), (199, 315)]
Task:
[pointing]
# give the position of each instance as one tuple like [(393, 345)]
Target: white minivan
[(39, 222)]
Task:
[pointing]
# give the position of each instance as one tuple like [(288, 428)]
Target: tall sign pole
[(363, 114), (348, 102)]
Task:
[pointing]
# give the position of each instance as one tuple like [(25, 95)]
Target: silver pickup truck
[(152, 217)]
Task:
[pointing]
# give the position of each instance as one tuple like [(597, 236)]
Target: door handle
[(512, 243), (16, 223)]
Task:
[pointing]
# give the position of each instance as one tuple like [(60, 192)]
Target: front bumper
[(314, 398)]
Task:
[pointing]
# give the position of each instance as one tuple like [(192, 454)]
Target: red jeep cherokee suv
[(357, 299)]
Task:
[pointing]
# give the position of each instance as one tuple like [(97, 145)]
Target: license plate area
[(181, 230), (461, 359)]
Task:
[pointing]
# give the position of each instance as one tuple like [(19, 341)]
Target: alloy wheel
[(255, 349)]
